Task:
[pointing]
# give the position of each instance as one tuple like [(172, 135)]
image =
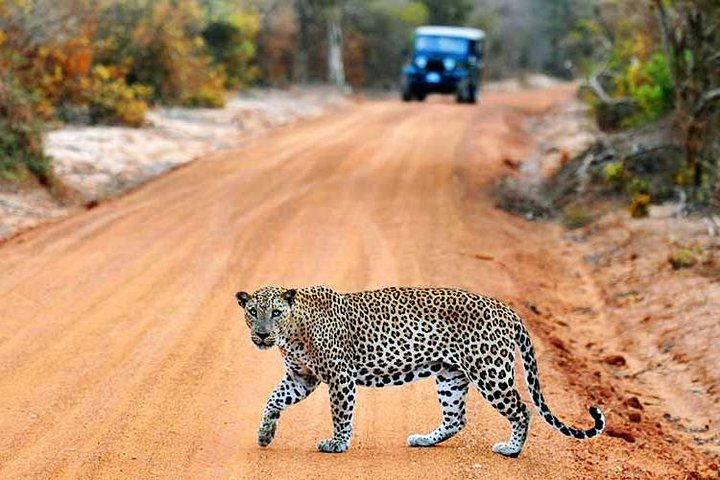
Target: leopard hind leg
[(496, 385), (452, 389)]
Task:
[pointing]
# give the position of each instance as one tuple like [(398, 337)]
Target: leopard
[(391, 337)]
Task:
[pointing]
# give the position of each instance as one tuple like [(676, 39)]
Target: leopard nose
[(263, 336)]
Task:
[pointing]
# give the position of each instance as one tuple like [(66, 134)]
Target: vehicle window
[(456, 46)]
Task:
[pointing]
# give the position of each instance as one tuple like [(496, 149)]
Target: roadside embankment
[(658, 276), (97, 162)]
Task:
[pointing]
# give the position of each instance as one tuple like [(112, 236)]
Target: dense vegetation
[(525, 35), (657, 64), (106, 61)]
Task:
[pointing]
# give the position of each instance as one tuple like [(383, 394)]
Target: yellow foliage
[(44, 109), (210, 94), (640, 205), (614, 174), (111, 99), (684, 176), (642, 46), (683, 258), (173, 61), (101, 73), (132, 113), (158, 45), (636, 75)]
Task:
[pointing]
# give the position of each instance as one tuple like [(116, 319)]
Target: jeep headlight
[(449, 63), (421, 61)]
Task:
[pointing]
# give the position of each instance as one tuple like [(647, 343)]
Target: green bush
[(614, 174), (638, 186), (636, 73), (684, 176), (231, 44), (683, 258), (650, 85), (21, 150)]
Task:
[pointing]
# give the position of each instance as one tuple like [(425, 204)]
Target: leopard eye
[(253, 312), (276, 313)]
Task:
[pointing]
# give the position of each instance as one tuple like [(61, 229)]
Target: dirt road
[(123, 353)]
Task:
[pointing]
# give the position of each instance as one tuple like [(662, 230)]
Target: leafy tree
[(380, 33), (690, 32), (162, 46), (661, 58), (548, 47), (231, 42), (302, 18), (278, 42), (448, 12), (332, 12), (21, 149)]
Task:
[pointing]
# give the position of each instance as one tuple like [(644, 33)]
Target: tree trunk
[(300, 59), (335, 68), (668, 44)]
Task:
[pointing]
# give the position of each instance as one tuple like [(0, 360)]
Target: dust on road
[(123, 353)]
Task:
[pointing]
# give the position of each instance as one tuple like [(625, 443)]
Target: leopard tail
[(522, 338)]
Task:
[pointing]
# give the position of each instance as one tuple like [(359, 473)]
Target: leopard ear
[(242, 298), (289, 296)]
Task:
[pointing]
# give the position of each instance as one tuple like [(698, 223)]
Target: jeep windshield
[(436, 44)]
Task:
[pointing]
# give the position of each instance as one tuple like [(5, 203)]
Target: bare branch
[(705, 102)]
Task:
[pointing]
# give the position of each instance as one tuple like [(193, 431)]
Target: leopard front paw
[(266, 433), (506, 450), (333, 445), (417, 440)]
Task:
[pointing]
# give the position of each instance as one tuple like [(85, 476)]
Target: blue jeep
[(444, 60)]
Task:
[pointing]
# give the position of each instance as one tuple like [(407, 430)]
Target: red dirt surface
[(123, 353), (665, 317)]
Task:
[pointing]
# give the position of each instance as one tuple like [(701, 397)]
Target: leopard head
[(264, 310)]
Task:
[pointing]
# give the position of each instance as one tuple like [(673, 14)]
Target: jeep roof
[(459, 32)]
